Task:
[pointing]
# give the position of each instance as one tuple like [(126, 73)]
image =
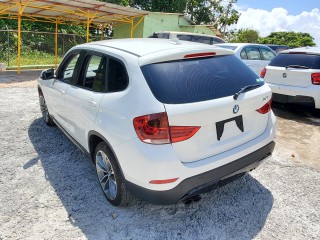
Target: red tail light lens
[(263, 73), (265, 108), (315, 78), (179, 134), (155, 129)]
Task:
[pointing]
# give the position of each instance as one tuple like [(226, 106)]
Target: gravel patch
[(48, 190)]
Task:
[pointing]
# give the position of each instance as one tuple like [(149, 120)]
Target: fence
[(37, 48)]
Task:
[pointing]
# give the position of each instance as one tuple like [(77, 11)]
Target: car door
[(83, 98), (66, 76), (250, 55)]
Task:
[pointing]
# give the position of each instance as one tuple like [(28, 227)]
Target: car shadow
[(236, 211), (298, 113)]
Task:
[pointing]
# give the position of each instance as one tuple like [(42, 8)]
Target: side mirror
[(47, 74)]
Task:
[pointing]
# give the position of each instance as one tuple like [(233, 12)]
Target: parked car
[(294, 76), (162, 119), (277, 48), (186, 36), (256, 56)]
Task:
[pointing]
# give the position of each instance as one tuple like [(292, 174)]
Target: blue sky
[(266, 16), (294, 7)]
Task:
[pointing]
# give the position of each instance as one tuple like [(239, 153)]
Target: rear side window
[(217, 40), (117, 76), (160, 35), (267, 54), (184, 37), (252, 53), (286, 59), (94, 76), (195, 80)]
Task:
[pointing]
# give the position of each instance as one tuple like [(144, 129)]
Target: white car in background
[(256, 56), (162, 119), (294, 76)]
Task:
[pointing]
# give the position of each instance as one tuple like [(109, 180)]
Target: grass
[(32, 58)]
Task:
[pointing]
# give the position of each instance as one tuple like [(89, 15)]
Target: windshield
[(195, 80)]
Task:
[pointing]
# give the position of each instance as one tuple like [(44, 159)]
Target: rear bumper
[(302, 100), (296, 94), (205, 181)]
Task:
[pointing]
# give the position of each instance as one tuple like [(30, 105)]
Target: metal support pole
[(19, 39), (56, 45), (131, 28), (88, 27)]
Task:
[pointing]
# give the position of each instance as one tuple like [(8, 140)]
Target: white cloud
[(279, 20)]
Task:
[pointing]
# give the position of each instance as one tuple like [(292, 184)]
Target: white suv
[(294, 76), (161, 119)]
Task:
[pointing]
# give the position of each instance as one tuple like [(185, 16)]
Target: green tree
[(213, 12), (244, 36), (291, 39)]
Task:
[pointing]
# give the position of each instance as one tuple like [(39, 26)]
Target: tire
[(110, 177), (44, 110)]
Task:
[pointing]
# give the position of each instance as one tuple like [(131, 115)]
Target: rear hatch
[(200, 92), (292, 69)]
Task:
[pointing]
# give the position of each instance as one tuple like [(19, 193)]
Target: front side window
[(68, 72)]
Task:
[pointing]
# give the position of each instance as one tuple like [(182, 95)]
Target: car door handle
[(248, 65), (63, 92), (91, 102)]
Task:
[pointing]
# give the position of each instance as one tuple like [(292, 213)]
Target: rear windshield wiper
[(297, 66), (236, 95)]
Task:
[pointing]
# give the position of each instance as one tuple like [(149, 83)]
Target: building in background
[(158, 21)]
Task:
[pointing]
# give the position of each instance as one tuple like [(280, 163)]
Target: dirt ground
[(48, 187), (298, 133)]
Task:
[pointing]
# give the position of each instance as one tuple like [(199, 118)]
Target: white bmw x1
[(163, 120)]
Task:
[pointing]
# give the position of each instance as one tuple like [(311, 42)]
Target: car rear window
[(285, 59), (195, 80)]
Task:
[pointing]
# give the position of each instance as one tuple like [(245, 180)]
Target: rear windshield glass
[(195, 80), (286, 59)]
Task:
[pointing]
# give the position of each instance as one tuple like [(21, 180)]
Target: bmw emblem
[(284, 75), (236, 108)]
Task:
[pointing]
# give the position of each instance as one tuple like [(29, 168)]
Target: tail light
[(315, 78), (155, 129), (265, 108), (263, 73)]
